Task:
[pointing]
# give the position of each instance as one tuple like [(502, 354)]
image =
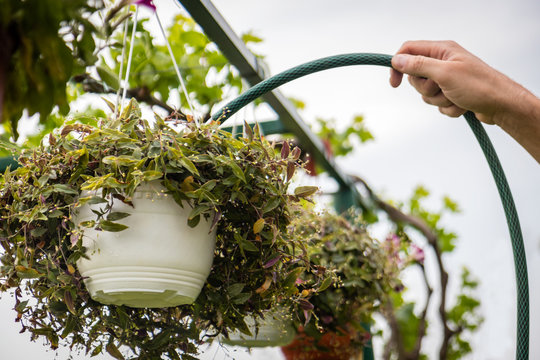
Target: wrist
[(522, 122), (518, 108)]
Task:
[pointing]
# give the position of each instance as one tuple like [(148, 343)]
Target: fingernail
[(399, 61)]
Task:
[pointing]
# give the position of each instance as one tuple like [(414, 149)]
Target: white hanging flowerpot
[(274, 330), (158, 261)]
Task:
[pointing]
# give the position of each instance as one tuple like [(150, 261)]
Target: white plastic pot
[(274, 330), (158, 261)]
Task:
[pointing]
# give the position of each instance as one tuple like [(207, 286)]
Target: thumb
[(416, 65)]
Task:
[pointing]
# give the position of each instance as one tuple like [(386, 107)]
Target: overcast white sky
[(414, 143)]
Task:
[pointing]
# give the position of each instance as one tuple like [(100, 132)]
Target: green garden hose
[(520, 263)]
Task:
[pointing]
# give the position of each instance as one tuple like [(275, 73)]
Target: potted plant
[(83, 183), (334, 328)]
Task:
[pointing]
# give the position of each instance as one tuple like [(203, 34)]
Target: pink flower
[(394, 240), (147, 3), (417, 254)]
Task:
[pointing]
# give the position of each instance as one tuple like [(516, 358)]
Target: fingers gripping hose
[(520, 263)]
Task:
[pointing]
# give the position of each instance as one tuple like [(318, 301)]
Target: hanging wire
[(182, 84), (122, 58), (128, 67)]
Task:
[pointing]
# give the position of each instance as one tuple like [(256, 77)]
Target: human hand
[(453, 79), (456, 81)]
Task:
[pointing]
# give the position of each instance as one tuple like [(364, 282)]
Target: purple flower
[(147, 3), (417, 254)]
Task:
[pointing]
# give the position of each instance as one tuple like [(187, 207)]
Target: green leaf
[(258, 226), (248, 130), (111, 226), (235, 289), (108, 77), (241, 298), (122, 160), (249, 246), (271, 204), (92, 200), (27, 273), (189, 165), (65, 189), (450, 204), (21, 306), (37, 232), (194, 222), (114, 352), (114, 216), (4, 144), (68, 299), (88, 223), (326, 283), (97, 350), (250, 37), (305, 191), (150, 175), (199, 209), (291, 278), (237, 171)]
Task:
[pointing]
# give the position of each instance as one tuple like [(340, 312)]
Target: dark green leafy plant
[(44, 43), (241, 184), (363, 277)]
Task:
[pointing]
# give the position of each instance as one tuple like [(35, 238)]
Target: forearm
[(521, 119)]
